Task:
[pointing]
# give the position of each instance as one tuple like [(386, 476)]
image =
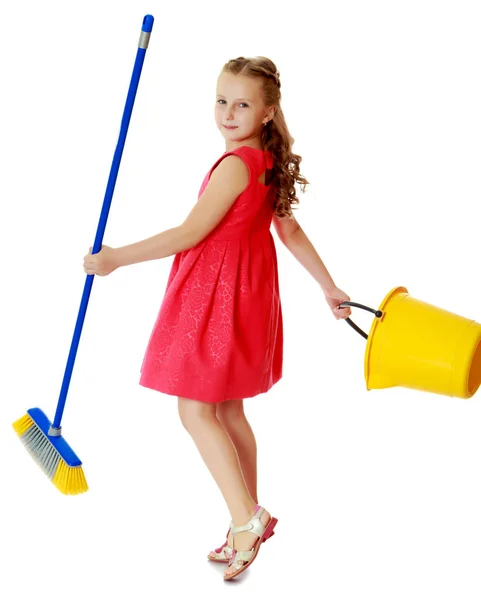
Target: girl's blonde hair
[(275, 135)]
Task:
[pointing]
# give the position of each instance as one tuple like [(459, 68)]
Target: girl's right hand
[(334, 297), (101, 263)]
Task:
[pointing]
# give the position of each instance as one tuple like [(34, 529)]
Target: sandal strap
[(224, 551), (245, 555), (253, 526)]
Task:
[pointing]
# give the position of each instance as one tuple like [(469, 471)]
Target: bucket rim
[(400, 289)]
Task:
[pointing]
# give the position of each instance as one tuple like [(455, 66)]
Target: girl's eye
[(239, 103)]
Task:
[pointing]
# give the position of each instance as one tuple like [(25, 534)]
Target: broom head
[(52, 453)]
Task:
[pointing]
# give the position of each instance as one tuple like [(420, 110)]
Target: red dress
[(218, 334)]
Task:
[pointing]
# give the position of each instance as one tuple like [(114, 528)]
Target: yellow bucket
[(416, 345)]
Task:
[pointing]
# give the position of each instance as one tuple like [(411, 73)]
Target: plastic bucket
[(417, 345)]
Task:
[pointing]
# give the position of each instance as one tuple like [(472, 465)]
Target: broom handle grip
[(377, 313), (147, 25)]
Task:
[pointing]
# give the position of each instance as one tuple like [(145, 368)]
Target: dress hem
[(190, 396)]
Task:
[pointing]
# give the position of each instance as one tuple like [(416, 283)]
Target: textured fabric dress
[(218, 334)]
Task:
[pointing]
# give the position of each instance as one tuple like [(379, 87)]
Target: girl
[(218, 335)]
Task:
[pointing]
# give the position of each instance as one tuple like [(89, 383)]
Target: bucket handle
[(377, 313)]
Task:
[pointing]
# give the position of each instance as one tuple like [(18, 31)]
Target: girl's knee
[(230, 410), (192, 410)]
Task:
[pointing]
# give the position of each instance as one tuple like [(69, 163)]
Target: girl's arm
[(227, 181), (293, 237)]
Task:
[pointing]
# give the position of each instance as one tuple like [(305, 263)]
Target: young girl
[(218, 335)]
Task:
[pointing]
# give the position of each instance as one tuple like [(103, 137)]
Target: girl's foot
[(245, 541)]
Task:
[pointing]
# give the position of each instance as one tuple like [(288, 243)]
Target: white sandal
[(264, 532)]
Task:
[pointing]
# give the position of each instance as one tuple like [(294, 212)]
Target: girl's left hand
[(101, 263), (334, 297)]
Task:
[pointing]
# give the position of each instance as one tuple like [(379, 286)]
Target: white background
[(377, 493)]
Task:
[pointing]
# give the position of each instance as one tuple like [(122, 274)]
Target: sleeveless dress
[(218, 334)]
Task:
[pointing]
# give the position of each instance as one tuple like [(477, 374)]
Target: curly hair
[(275, 135)]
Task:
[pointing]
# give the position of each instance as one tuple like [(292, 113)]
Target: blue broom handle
[(147, 25)]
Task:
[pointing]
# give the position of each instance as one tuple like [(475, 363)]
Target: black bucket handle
[(377, 313)]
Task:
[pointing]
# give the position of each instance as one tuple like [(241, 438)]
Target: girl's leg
[(220, 456), (230, 414), (232, 417)]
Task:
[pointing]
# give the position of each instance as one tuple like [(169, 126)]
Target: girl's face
[(239, 104)]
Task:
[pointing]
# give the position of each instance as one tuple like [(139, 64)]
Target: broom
[(42, 439)]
